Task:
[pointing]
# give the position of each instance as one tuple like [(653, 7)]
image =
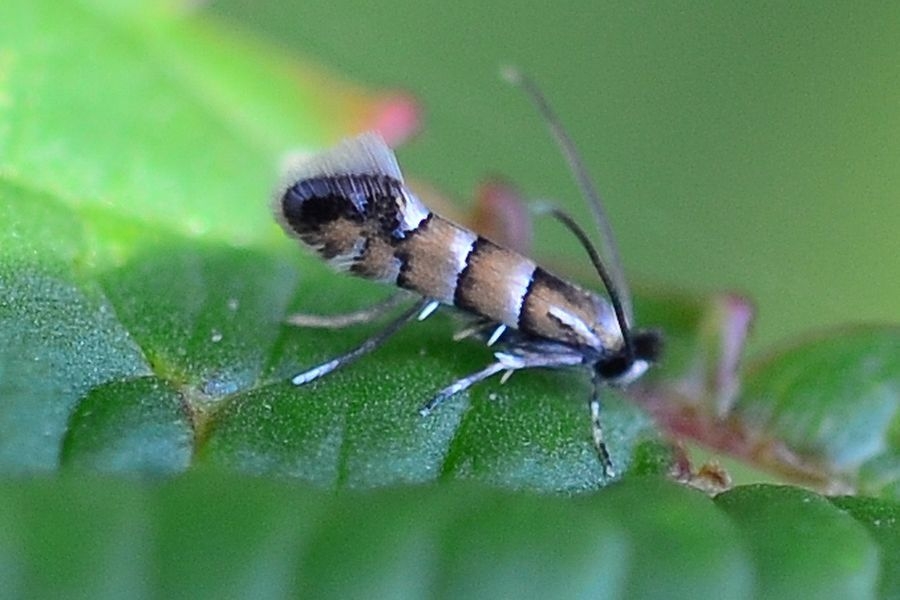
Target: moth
[(351, 206)]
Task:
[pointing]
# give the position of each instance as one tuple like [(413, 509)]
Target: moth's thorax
[(563, 311)]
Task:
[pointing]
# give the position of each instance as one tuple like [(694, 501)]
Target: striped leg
[(367, 346)]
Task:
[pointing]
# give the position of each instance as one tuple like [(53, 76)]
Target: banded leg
[(357, 317), (597, 434), (367, 346)]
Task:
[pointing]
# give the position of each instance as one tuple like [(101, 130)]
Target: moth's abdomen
[(432, 258)]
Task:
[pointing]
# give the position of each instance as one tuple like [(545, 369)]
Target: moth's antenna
[(602, 271), (619, 287)]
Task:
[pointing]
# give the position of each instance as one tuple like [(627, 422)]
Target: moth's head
[(623, 367)]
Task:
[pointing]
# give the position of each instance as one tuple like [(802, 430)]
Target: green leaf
[(60, 335), (208, 535), (829, 407), (76, 540), (793, 534), (136, 425), (882, 520)]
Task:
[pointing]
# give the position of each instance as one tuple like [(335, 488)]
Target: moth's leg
[(367, 346), (480, 328), (530, 354), (364, 315), (496, 334), (597, 434), (427, 309), (460, 385), (515, 358), (473, 329)]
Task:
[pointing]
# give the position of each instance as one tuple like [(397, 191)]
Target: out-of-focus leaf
[(793, 534), (137, 425), (205, 535), (829, 407), (882, 519)]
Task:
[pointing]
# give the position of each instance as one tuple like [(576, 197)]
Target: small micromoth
[(350, 204)]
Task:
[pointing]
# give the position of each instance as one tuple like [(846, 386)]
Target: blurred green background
[(751, 147)]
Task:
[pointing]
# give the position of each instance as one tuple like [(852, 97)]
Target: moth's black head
[(624, 367), (647, 344)]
